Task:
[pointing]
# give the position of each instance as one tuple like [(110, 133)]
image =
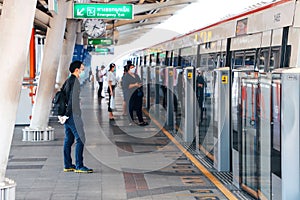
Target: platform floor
[(129, 162)]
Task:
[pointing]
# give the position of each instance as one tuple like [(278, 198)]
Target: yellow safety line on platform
[(207, 153), (209, 175)]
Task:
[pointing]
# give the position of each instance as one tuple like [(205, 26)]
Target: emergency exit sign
[(102, 11)]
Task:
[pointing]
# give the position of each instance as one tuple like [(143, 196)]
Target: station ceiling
[(147, 14)]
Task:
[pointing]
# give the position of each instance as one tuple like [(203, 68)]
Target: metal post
[(189, 104), (221, 117)]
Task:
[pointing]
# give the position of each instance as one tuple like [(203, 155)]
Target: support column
[(45, 90), (15, 16), (67, 53), (79, 36)]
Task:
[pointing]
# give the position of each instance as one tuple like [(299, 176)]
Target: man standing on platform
[(100, 75), (74, 124), (200, 83)]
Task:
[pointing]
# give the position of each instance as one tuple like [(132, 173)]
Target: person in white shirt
[(100, 75), (111, 80)]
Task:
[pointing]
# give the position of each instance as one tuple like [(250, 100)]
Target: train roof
[(246, 13)]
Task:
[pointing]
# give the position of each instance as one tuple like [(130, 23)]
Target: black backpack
[(60, 102)]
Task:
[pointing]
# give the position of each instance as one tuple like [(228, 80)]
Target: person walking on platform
[(100, 74), (200, 84), (74, 125), (132, 85), (111, 80)]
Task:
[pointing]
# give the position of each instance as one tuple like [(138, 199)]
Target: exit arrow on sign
[(80, 12)]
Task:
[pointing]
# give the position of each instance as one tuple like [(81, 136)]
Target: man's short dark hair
[(75, 65)]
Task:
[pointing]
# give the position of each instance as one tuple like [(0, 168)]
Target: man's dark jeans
[(74, 130)]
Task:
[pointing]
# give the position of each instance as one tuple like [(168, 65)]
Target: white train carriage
[(251, 44)]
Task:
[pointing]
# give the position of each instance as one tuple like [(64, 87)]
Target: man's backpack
[(60, 103)]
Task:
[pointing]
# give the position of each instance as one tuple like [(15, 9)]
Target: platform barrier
[(36, 135), (7, 189)]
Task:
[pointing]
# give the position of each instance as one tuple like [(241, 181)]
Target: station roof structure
[(147, 14)]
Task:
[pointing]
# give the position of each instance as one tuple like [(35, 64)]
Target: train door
[(276, 136), (290, 137), (236, 121), (205, 124), (264, 132), (152, 81), (250, 153)]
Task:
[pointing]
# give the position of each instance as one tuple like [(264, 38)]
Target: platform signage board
[(100, 41), (104, 51), (102, 11)]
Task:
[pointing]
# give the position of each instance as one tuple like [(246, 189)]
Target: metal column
[(170, 98), (189, 104), (222, 120)]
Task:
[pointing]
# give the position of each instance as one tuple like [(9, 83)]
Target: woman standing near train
[(132, 87), (111, 81)]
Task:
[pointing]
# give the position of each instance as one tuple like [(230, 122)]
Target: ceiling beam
[(42, 17), (147, 7), (136, 25), (123, 2), (137, 18)]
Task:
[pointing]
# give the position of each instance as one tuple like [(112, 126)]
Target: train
[(250, 63)]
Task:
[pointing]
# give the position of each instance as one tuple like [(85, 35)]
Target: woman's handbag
[(112, 102), (140, 92)]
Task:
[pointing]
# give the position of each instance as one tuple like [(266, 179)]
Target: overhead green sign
[(102, 11), (104, 51), (100, 41)]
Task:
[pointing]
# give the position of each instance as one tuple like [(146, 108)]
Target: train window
[(250, 60), (238, 60), (274, 58), (263, 60), (153, 59), (219, 60), (203, 62), (211, 61), (189, 56), (162, 58), (175, 57), (222, 60), (169, 58)]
